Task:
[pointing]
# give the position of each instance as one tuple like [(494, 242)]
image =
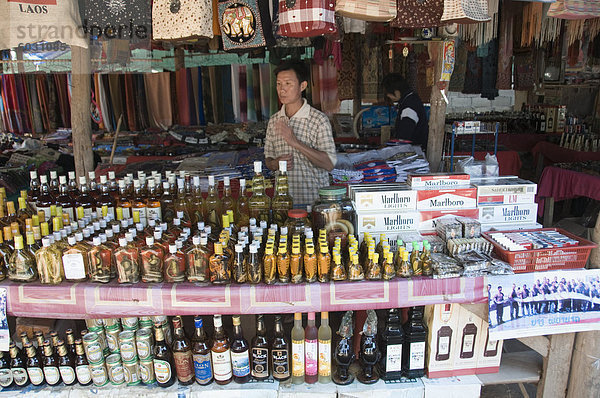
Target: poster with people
[(542, 303), (4, 334)]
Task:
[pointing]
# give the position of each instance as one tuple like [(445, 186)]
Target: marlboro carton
[(447, 199)]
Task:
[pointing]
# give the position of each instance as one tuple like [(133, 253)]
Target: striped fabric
[(306, 18), (575, 9), (367, 10)]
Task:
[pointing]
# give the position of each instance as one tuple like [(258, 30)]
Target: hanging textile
[(575, 9), (473, 74), (273, 97), (241, 25), (110, 113), (457, 80), (484, 32), (532, 23), (158, 96), (23, 103), (207, 94), (42, 93), (63, 98), (257, 92), (265, 90), (34, 102), (505, 48), (315, 88), (418, 14), (242, 87), (551, 28), (425, 74), (251, 110), (489, 71), (330, 102), (141, 102), (235, 92), (347, 74), (199, 95), (116, 89), (465, 11), (228, 115), (371, 71), (182, 19), (307, 18), (130, 102), (183, 100), (524, 71), (129, 20)]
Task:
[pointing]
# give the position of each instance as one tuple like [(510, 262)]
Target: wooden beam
[(540, 344), (555, 373), (548, 211), (437, 115), (81, 122), (585, 372)]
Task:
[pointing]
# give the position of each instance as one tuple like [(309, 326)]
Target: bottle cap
[(96, 241), (102, 179), (236, 320), (239, 248), (71, 240), (324, 315), (283, 166), (258, 166), (172, 249), (298, 316), (82, 180), (198, 322), (43, 179), (195, 240), (217, 321), (375, 258), (218, 248), (33, 174), (226, 181), (122, 242), (149, 241), (103, 237), (253, 249), (311, 316), (157, 235), (242, 182), (211, 180), (46, 242)]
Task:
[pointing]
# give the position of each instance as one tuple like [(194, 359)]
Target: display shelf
[(516, 367), (90, 300)]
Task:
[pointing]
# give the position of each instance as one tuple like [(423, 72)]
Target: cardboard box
[(489, 352), (442, 322), (508, 214), (429, 217), (446, 199), (469, 329), (504, 186), (438, 180), (505, 199), (509, 227), (397, 197), (386, 222)]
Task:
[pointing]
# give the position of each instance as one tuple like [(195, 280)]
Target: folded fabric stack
[(376, 171), (408, 162), (341, 176)]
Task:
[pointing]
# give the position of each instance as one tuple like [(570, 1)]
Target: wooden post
[(585, 367), (357, 103), (555, 373), (81, 122), (437, 115), (595, 255), (179, 58)]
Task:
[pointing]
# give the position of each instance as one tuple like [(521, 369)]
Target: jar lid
[(332, 190), (297, 213)]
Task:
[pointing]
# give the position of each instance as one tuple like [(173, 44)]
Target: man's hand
[(285, 132)]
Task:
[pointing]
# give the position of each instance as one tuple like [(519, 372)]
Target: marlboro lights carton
[(508, 214), (438, 180), (398, 197), (386, 221), (447, 199)]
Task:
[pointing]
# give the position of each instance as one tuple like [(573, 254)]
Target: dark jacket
[(411, 123)]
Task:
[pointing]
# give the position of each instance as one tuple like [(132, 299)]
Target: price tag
[(191, 140), (4, 334), (257, 141), (203, 141)]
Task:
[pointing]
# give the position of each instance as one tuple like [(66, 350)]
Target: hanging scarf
[(473, 74), (505, 48), (489, 71), (347, 74)]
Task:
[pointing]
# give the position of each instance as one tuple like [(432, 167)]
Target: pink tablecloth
[(562, 184), (90, 300), (553, 153)]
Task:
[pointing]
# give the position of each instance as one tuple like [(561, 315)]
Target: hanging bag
[(465, 11), (181, 19), (367, 10), (241, 25), (306, 18), (574, 9), (418, 14)]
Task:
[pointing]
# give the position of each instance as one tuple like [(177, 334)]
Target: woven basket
[(367, 10), (465, 11)]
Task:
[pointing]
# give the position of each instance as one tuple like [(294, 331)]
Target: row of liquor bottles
[(99, 250), (148, 351), (155, 197)]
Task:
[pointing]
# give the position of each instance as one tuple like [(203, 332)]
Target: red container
[(545, 259)]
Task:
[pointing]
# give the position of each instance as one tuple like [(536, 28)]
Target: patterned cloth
[(312, 128)]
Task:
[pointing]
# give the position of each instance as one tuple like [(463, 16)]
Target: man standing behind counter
[(300, 135)]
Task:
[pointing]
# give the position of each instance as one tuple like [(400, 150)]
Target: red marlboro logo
[(40, 2)]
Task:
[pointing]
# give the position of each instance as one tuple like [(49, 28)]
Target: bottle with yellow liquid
[(373, 267), (259, 203), (324, 262), (389, 271), (296, 263), (338, 271), (211, 205), (22, 265), (269, 265), (310, 264), (219, 272), (403, 269), (283, 263), (355, 270), (282, 201), (415, 260), (49, 263), (426, 259)]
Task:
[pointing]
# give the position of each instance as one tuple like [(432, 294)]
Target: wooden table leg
[(548, 211), (555, 372)]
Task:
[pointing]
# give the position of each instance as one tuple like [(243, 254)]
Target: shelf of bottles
[(125, 247)]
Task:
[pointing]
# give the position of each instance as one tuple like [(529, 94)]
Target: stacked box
[(447, 199), (438, 180), (442, 323)]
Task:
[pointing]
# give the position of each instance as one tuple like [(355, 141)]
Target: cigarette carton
[(447, 199), (508, 214), (438, 180)]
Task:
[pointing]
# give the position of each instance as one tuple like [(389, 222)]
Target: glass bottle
[(240, 273), (211, 204), (39, 338), (163, 359), (174, 268), (5, 253), (167, 202), (240, 353), (311, 351), (415, 260), (392, 339), (219, 271), (201, 354), (51, 372), (221, 353), (182, 353), (282, 201), (468, 341), (280, 356), (324, 349), (45, 200), (49, 263), (338, 271), (105, 199), (70, 343), (82, 369), (66, 365), (22, 214), (310, 264), (413, 354), (152, 262), (253, 265), (17, 366), (269, 265), (6, 376), (403, 269), (181, 203), (355, 270), (53, 184), (259, 203), (99, 262), (84, 199), (197, 259), (227, 201), (139, 203), (22, 265), (75, 261), (426, 259), (34, 365), (243, 211), (93, 186), (64, 200), (127, 262), (296, 264), (373, 267), (298, 350), (124, 201), (260, 351), (73, 189), (283, 263), (389, 271), (34, 189), (113, 188), (324, 262)]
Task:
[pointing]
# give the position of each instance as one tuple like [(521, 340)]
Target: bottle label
[(162, 370), (311, 355), (74, 266), (6, 377), (143, 348), (393, 359), (52, 374), (297, 358), (99, 375), (110, 211), (20, 376), (324, 358), (36, 375), (240, 362), (83, 374), (184, 366), (260, 362), (468, 343), (67, 374), (202, 368), (444, 346), (127, 350), (70, 211), (47, 213), (117, 374), (154, 213), (222, 365), (281, 364), (127, 213), (417, 356), (143, 214), (492, 345)]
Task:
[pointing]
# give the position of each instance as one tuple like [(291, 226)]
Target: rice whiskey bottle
[(164, 369), (75, 261), (211, 205), (311, 350), (22, 265), (297, 350), (243, 211), (282, 201), (152, 262), (260, 351), (201, 354), (392, 340), (469, 336), (280, 353), (240, 353), (259, 203), (221, 354), (197, 259), (227, 201), (254, 265), (182, 354), (413, 353), (444, 335)]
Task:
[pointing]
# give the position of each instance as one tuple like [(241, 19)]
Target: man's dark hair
[(393, 82), (298, 67)]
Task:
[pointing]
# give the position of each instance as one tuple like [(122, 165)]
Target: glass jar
[(297, 221), (334, 212)]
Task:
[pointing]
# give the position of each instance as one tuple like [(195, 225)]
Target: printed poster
[(4, 334), (448, 61)]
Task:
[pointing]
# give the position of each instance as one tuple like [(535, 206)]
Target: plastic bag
[(479, 168)]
